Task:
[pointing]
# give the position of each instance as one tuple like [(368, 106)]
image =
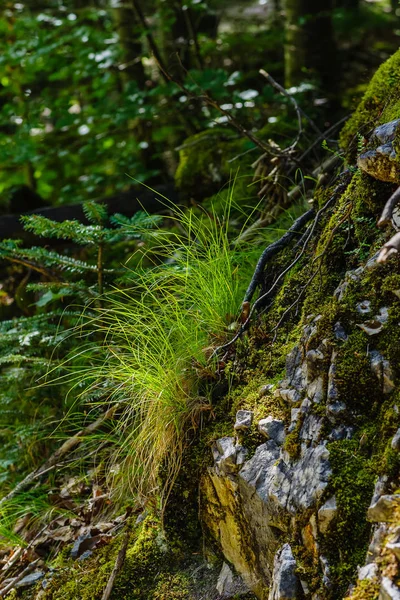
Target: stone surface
[(273, 429), (384, 509), (326, 514), (286, 585), (369, 571), (389, 590), (341, 432), (382, 370), (244, 420), (340, 333), (364, 307), (229, 584), (395, 443), (30, 579), (228, 455)]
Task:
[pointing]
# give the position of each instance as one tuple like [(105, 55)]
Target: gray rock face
[(272, 429), (284, 487), (228, 456), (340, 333), (382, 370), (286, 584), (229, 584), (384, 509), (368, 572), (389, 590), (244, 420), (341, 432), (30, 579), (326, 514), (395, 443)]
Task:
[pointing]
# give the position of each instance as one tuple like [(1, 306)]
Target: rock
[(326, 571), (310, 477), (341, 432), (266, 389), (339, 332), (375, 547), (364, 307), (395, 548), (316, 390), (290, 395), (395, 443), (285, 583), (293, 361), (335, 409), (384, 510), (229, 585), (273, 429), (30, 579), (311, 428), (244, 420), (389, 590), (375, 325), (326, 514), (332, 392), (369, 571), (228, 456), (314, 361), (294, 417), (383, 371), (85, 555)]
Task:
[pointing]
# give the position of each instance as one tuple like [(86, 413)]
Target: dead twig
[(4, 591), (282, 90), (387, 213), (207, 99), (118, 563), (66, 447), (300, 112)]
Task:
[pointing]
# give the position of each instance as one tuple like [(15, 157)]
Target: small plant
[(158, 336)]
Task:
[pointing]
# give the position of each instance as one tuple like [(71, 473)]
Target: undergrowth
[(158, 336)]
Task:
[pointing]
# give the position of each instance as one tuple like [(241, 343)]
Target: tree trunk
[(309, 44), (127, 29)]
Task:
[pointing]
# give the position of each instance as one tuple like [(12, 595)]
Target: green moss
[(365, 590), (380, 104), (204, 167), (172, 587), (355, 381), (352, 483)]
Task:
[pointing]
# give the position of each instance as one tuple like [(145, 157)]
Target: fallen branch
[(387, 213), (391, 247), (66, 447), (4, 591), (118, 563)]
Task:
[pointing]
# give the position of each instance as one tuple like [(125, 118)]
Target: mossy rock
[(204, 168), (380, 104)]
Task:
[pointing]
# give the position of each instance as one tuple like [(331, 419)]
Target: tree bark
[(309, 43), (127, 28)]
